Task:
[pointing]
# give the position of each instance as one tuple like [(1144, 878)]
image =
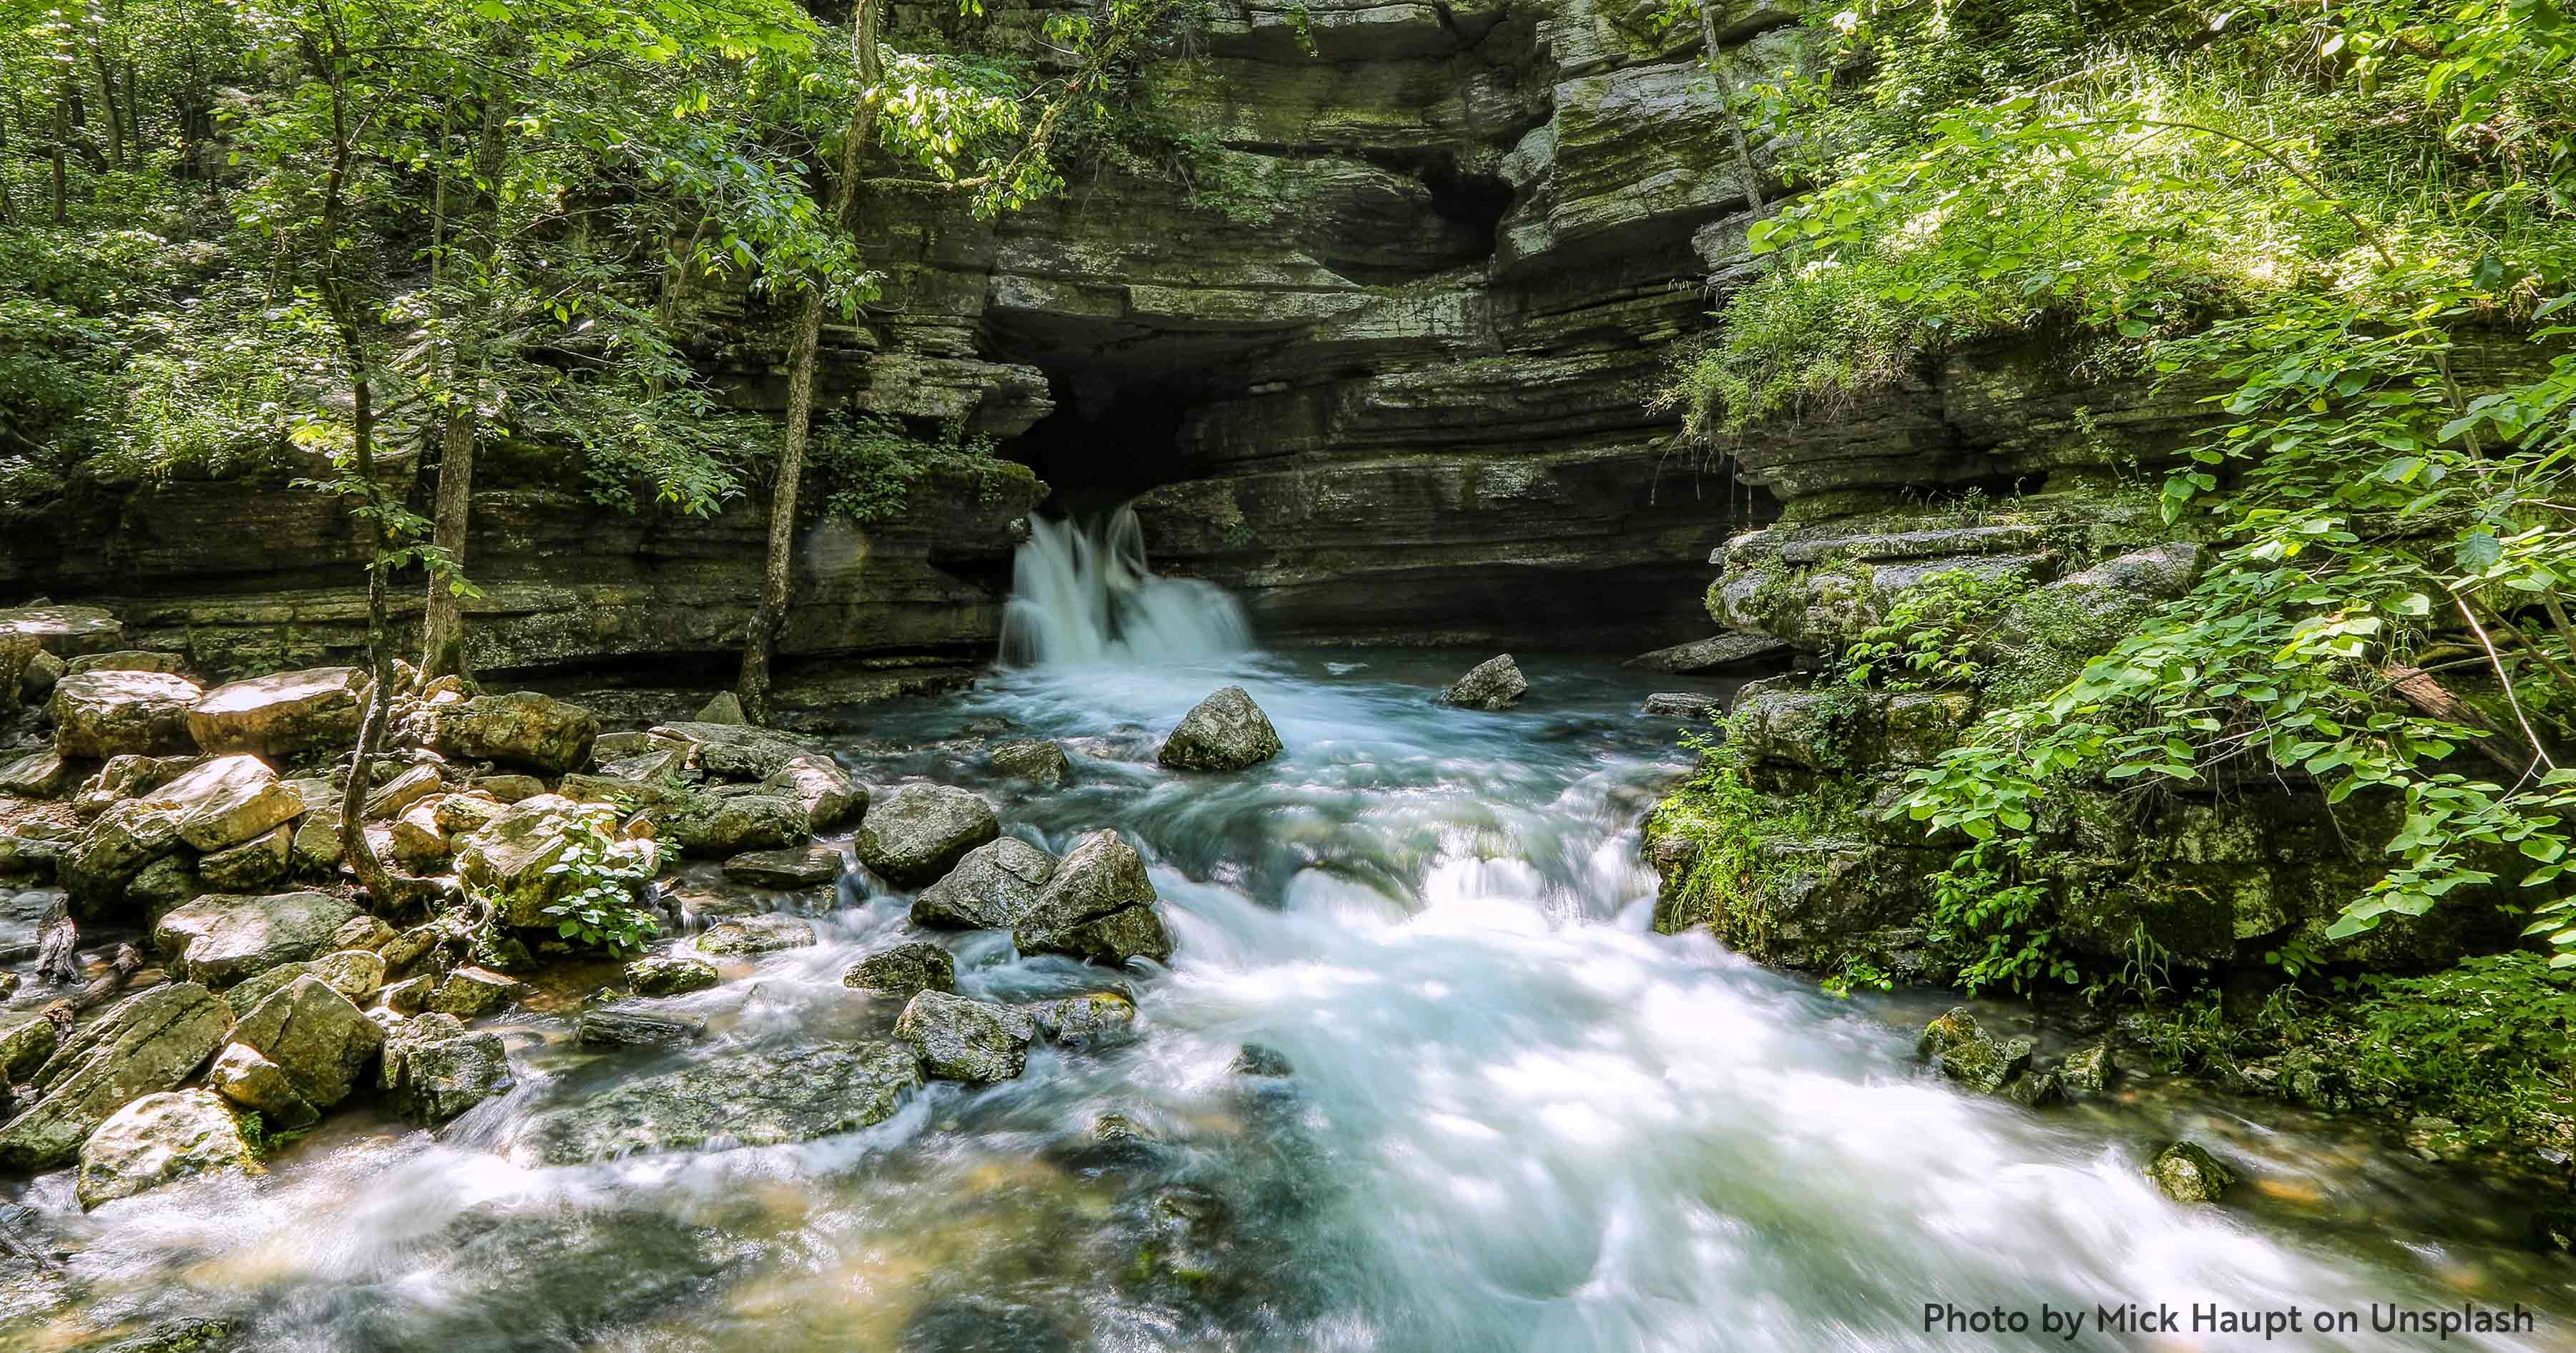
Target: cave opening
[(1114, 433)]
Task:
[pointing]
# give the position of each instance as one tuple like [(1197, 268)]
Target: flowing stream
[(1514, 1119)]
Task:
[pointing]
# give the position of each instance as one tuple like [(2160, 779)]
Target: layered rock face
[(1365, 299)]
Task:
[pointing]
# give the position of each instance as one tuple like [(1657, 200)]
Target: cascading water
[(1082, 595), (1492, 1113)]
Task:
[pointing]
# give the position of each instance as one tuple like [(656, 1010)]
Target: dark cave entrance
[(1115, 433)]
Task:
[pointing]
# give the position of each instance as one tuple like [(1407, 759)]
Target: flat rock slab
[(1709, 655), (149, 1042), (756, 935), (102, 714), (1684, 705), (753, 1100), (222, 938), (281, 713), (66, 631), (627, 1025), (785, 868)]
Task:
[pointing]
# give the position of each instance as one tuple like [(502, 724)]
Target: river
[(1512, 1118)]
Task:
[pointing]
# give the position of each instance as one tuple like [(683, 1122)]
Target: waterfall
[(1082, 594)]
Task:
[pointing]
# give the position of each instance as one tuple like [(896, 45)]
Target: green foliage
[(867, 465), (600, 877), (1988, 918), (2497, 1032), (1933, 633)]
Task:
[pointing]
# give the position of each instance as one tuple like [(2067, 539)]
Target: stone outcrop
[(1373, 348), (221, 938), (918, 833), (756, 1099), (282, 713), (1226, 731), (107, 713), (149, 1042), (1098, 905)]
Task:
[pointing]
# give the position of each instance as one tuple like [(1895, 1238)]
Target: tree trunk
[(1726, 106), (338, 299), (108, 101), (779, 572), (451, 513)]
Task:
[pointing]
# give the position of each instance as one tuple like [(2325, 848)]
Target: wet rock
[(283, 713), (1708, 655), (1495, 683), (724, 707), (2035, 1089), (222, 938), (241, 1075), (1035, 760), (1965, 1053), (185, 1334), (103, 714), (756, 1099), (315, 1035), (1083, 1020), (918, 833), (160, 1139), (38, 775), (756, 935), (250, 866), (964, 1040), (149, 1042), (2188, 1174), (992, 888), (470, 992), (1098, 906), (229, 800), (2088, 1070), (903, 970), (29, 855), (735, 751), (1188, 1238), (1684, 705), (983, 1325), (434, 1068), (627, 1025), (1254, 1059), (522, 728), (828, 793), (662, 976), (1226, 731)]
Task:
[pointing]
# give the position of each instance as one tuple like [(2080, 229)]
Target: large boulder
[(902, 970), (1495, 683), (1970, 1056), (729, 824), (756, 935), (222, 938), (1083, 1019), (1226, 731), (314, 1035), (962, 1040), (1038, 761), (282, 713), (228, 800), (434, 1068), (102, 714), (635, 1024), (522, 728), (830, 796), (65, 631), (990, 889), (1098, 906), (157, 1140), (757, 1099), (151, 1041), (921, 831)]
